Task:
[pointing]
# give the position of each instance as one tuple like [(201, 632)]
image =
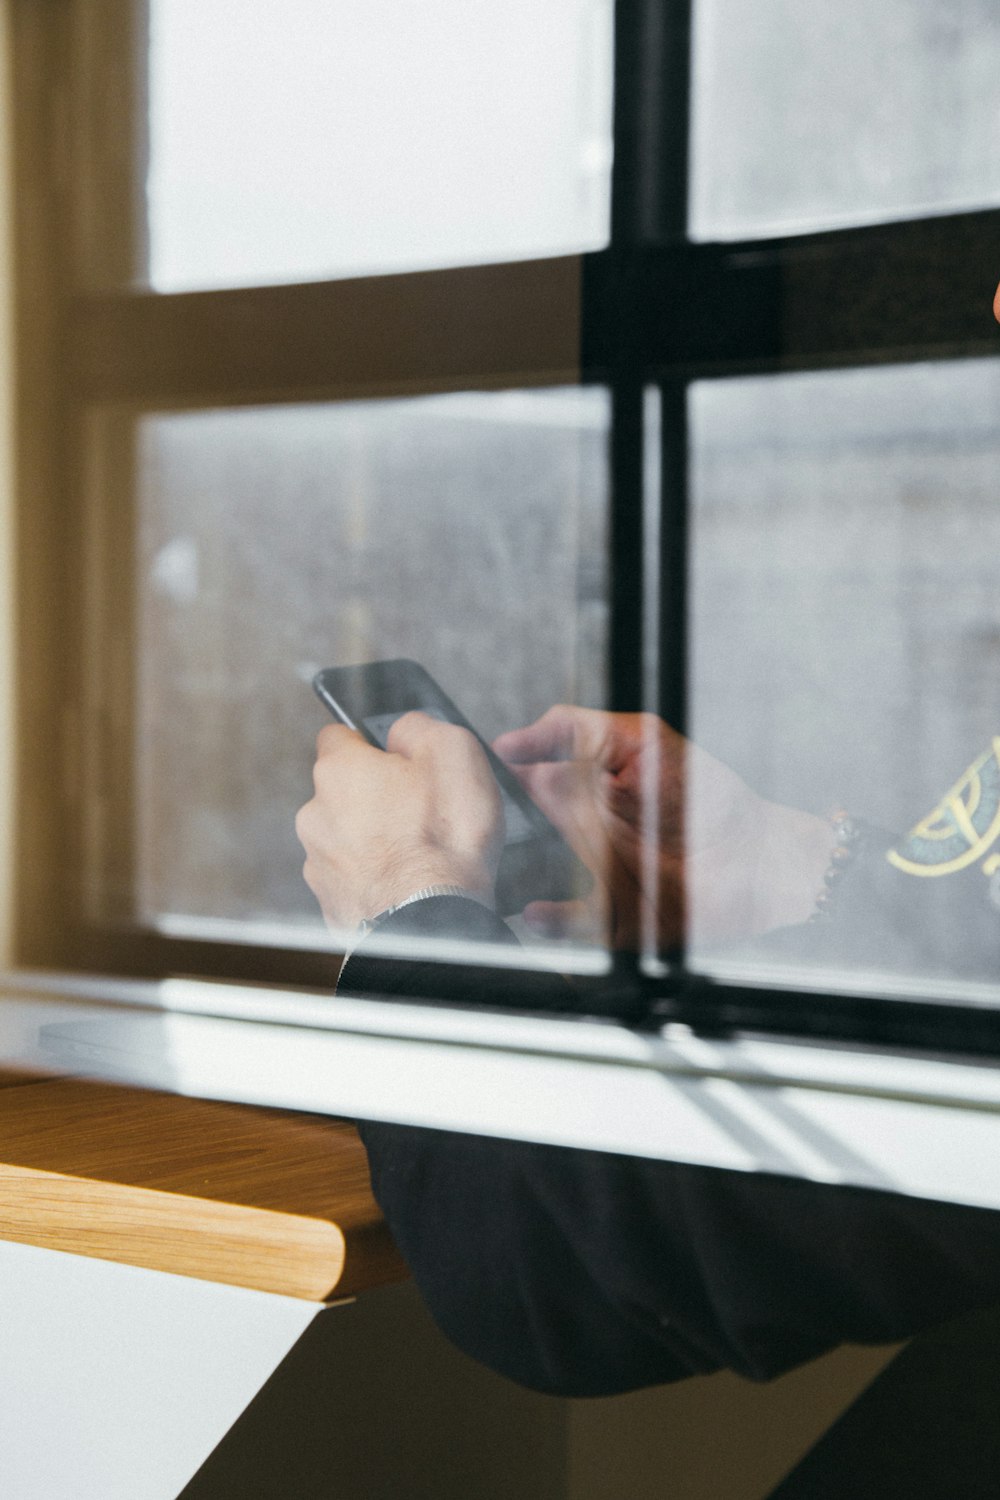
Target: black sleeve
[(580, 1273), (412, 954)]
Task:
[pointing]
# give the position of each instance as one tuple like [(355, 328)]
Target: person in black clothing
[(582, 1273)]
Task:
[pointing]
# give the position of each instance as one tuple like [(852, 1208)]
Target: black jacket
[(582, 1273)]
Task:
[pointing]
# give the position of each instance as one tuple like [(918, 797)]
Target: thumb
[(563, 733)]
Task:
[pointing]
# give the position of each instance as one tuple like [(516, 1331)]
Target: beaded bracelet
[(848, 836)]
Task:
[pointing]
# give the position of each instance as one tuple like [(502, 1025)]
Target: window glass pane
[(300, 140), (808, 116), (845, 640), (466, 532)]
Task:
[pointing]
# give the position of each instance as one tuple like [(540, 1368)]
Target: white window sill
[(832, 1113)]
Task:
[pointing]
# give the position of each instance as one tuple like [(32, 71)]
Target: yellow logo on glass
[(962, 828)]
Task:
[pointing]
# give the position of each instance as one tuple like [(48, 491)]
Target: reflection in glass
[(809, 116), (298, 140), (845, 634), (465, 531)]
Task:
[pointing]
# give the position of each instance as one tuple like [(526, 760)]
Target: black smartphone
[(536, 864)]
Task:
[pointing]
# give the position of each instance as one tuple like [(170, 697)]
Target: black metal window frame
[(660, 310)]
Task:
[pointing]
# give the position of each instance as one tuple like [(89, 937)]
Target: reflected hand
[(385, 823), (680, 847)]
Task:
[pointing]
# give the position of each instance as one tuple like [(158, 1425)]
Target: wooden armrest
[(253, 1197)]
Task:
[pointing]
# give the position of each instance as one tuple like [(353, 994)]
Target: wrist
[(425, 893), (438, 877), (797, 851), (849, 838)]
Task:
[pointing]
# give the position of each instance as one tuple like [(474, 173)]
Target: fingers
[(409, 732), (563, 733), (336, 739), (562, 789), (444, 749), (416, 734), (608, 740), (340, 751)]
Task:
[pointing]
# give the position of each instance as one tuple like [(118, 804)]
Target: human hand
[(385, 823), (680, 847)]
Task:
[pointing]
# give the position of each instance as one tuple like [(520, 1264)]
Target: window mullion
[(652, 108)]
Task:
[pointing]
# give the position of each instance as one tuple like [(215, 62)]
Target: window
[(717, 441), (348, 532), (301, 141), (430, 480), (805, 121)]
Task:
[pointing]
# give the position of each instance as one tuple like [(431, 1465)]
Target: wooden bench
[(259, 1198)]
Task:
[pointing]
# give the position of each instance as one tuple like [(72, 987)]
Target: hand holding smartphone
[(536, 864)]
